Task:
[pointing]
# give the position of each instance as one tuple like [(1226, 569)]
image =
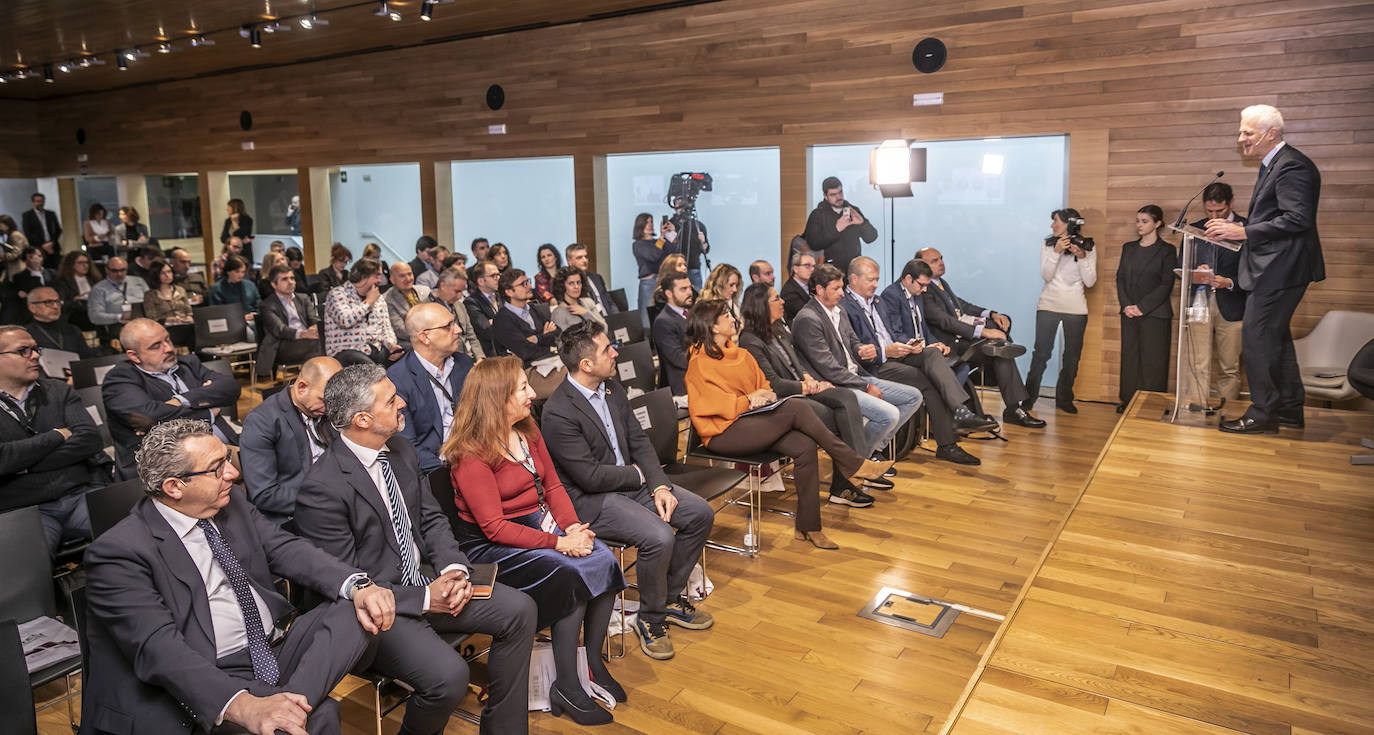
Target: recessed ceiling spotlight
[(202, 40), (427, 10), (122, 61), (65, 66), (165, 47), (47, 73)]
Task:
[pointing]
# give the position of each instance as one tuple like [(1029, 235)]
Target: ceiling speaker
[(496, 97), (929, 55), (246, 120)]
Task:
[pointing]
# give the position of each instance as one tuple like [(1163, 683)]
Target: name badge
[(547, 524), (127, 308)]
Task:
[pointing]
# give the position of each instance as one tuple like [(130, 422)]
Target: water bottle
[(1198, 313)]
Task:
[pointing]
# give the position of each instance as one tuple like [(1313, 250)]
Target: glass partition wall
[(377, 203), (520, 202)]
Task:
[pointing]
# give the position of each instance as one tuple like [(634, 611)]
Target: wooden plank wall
[(1155, 86)]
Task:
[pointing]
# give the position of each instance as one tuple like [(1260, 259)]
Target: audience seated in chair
[(197, 290), (51, 453), (430, 379), (796, 292), (669, 333), (183, 613), (49, 329), (612, 474), (366, 502), (519, 329), (403, 295), (236, 288), (283, 436), (593, 285), (111, 300), (483, 304), (155, 386), (289, 324), (448, 292), (357, 324)]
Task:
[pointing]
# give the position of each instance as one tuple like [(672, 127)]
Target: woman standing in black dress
[(1144, 280)]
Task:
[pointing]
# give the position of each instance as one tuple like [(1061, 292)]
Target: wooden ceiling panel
[(38, 32)]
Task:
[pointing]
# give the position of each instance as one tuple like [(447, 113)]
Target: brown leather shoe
[(817, 539)]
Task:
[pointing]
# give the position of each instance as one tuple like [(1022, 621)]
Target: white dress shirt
[(445, 401), (836, 313), (293, 317)]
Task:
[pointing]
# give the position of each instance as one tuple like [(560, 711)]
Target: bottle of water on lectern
[(1198, 313)]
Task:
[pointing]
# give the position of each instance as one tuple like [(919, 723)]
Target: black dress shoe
[(1021, 418), (956, 454), (1248, 425), (1121, 408), (1292, 421), (1067, 407), (967, 422)]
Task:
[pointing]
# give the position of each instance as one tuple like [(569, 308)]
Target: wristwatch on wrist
[(360, 583)]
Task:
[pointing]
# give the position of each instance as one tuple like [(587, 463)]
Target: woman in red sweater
[(514, 513), (724, 382)]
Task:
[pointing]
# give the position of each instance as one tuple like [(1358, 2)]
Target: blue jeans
[(646, 297), (887, 414), (694, 277)]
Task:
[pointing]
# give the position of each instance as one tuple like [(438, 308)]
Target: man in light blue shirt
[(111, 300)]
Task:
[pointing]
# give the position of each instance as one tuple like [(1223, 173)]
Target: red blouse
[(490, 496)]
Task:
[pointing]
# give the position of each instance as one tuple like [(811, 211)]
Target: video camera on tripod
[(683, 189)]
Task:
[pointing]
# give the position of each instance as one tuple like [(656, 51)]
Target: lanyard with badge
[(546, 521)]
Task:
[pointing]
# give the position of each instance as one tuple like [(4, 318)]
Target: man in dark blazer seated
[(956, 322), (283, 436), (366, 502), (669, 333), (430, 379), (519, 329), (596, 286), (794, 293), (49, 329), (483, 303), (290, 324), (1226, 299), (43, 230), (1281, 255), (185, 627), (155, 385), (613, 477)]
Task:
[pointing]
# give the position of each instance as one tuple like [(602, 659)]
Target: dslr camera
[(1075, 234)]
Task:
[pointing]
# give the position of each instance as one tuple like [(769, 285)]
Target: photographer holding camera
[(1068, 264)]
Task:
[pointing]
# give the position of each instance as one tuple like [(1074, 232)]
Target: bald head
[(148, 346), (308, 390), (435, 333), (425, 316), (401, 276), (934, 259), (116, 269)]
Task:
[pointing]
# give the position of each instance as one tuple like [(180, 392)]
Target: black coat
[(837, 247), (1145, 278), (669, 333), (942, 308), (480, 313), (779, 360), (1282, 248), (24, 281), (599, 294), (33, 232), (275, 454), (582, 452), (817, 341), (36, 463), (794, 297), (60, 335), (512, 334), (273, 320)]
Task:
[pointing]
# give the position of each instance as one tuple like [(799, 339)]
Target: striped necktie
[(400, 523)]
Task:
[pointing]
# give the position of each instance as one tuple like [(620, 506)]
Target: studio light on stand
[(892, 167)]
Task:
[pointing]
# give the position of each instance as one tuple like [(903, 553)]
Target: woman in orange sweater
[(724, 382)]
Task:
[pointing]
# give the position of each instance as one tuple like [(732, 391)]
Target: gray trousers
[(667, 551)]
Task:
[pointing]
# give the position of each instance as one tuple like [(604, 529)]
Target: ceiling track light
[(427, 10), (383, 11), (253, 35), (66, 66), (47, 73), (165, 47), (128, 55), (312, 21), (201, 41), (122, 61)]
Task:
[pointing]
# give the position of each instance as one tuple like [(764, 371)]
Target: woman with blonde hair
[(724, 283), (513, 512)]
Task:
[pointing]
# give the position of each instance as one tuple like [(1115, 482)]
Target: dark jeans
[(666, 551), (791, 429), (1271, 364), (1144, 355), (941, 414), (1046, 326)]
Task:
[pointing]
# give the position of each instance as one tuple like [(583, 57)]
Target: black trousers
[(666, 552), (941, 413), (1144, 355), (413, 652), (1271, 364), (1046, 327)]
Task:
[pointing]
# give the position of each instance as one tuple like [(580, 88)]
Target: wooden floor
[(1173, 597)]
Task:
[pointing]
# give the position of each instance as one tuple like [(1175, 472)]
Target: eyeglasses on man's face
[(218, 470), (26, 352)]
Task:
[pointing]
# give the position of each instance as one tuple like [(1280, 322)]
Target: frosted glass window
[(741, 212), (520, 202), (378, 204), (985, 205), (267, 199), (174, 209), (100, 190)]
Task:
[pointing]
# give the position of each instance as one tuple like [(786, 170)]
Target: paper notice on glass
[(47, 642), (769, 407), (642, 413), (217, 326), (622, 335), (627, 370), (56, 362)]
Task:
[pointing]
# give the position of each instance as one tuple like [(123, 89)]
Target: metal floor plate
[(924, 615)]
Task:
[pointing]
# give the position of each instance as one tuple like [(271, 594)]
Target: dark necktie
[(265, 667), (1258, 179), (400, 524), (314, 429)]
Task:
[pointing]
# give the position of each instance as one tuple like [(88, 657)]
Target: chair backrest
[(441, 487), (95, 406), (220, 325), (544, 311), (1358, 373), (635, 367), (16, 694), (1332, 344), (625, 327), (91, 373), (618, 297), (657, 410), (24, 565), (136, 311), (78, 598), (220, 366), (109, 505)]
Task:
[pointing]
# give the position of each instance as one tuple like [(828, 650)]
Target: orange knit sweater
[(718, 390)]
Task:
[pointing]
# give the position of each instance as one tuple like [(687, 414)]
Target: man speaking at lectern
[(1281, 255)]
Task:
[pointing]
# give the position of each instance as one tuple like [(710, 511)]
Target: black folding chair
[(618, 298), (625, 327), (222, 332), (91, 372), (16, 693), (110, 505), (635, 368)]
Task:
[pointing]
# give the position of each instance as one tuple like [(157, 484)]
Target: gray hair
[(452, 273), (1265, 117), (349, 393), (797, 255), (34, 295), (862, 264), (161, 454)]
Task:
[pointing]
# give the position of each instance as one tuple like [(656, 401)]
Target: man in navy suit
[(519, 328), (1225, 297), (596, 287), (669, 333), (1281, 255), (430, 378), (283, 436), (483, 303), (43, 231), (186, 629)]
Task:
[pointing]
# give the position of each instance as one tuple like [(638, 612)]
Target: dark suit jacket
[(1145, 278), (60, 335), (511, 333), (36, 464), (1281, 245), (34, 232), (779, 361), (669, 333), (25, 281), (330, 280), (424, 428), (341, 510), (582, 452), (151, 641), (600, 294), (135, 401), (837, 247), (794, 297), (892, 304), (863, 329), (272, 320), (480, 313), (1230, 301), (942, 309), (275, 454), (816, 341)]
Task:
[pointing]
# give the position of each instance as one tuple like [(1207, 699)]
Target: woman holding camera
[(1068, 268), (1144, 280)]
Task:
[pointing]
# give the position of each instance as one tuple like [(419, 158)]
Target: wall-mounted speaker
[(929, 55), (496, 97), (246, 120)]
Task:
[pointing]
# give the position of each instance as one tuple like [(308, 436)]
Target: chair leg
[(377, 704), (71, 714), (620, 557)]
